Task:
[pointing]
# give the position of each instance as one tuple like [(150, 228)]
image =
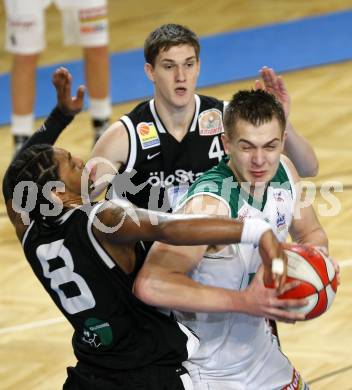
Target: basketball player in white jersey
[(237, 352), (175, 137)]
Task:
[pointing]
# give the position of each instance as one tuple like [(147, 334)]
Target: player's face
[(255, 151), (70, 170), (175, 75)]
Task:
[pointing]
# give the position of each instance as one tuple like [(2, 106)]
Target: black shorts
[(146, 378)]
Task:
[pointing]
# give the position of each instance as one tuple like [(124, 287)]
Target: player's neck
[(177, 120)]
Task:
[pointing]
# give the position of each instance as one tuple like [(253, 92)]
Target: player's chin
[(258, 182), (181, 101)]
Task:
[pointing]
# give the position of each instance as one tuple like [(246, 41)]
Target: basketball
[(318, 280)]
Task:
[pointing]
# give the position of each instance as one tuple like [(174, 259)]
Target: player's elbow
[(310, 170), (145, 288), (315, 168)]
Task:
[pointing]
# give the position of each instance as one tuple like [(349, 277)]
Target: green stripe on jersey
[(221, 181)]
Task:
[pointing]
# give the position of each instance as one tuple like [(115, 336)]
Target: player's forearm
[(50, 130), (178, 292), (199, 230), (299, 150), (316, 237), (191, 229), (46, 134), (185, 230)]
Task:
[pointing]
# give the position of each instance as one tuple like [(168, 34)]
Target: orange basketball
[(317, 276)]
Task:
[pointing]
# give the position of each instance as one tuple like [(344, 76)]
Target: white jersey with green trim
[(238, 349)]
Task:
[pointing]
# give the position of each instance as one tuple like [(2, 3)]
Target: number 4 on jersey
[(215, 150)]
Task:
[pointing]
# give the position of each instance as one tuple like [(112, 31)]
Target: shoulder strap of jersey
[(283, 179), (132, 139), (97, 246)]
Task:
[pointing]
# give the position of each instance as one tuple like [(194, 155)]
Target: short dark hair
[(166, 36), (36, 164), (255, 107)]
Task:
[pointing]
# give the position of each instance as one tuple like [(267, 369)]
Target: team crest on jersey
[(148, 135), (278, 196), (210, 122), (243, 213)]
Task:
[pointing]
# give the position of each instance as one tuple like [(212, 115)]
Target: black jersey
[(160, 167), (112, 329)]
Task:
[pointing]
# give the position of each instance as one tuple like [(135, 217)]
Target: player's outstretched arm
[(57, 121), (121, 223), (163, 282), (297, 148), (134, 224)]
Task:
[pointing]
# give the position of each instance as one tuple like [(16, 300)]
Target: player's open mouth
[(181, 91)]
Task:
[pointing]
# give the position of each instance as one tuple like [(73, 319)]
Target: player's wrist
[(252, 231), (240, 301), (61, 113)]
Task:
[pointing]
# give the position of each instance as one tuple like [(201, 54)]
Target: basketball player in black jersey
[(87, 256), (173, 138)]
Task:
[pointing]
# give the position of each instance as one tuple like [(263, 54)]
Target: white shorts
[(297, 383), (273, 371), (84, 23)]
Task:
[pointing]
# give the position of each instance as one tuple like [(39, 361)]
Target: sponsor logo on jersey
[(210, 122), (96, 333), (148, 135), (151, 156), (280, 221), (180, 176)]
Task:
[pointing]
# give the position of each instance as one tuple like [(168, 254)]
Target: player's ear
[(198, 64), (284, 136), (149, 71), (225, 142)]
